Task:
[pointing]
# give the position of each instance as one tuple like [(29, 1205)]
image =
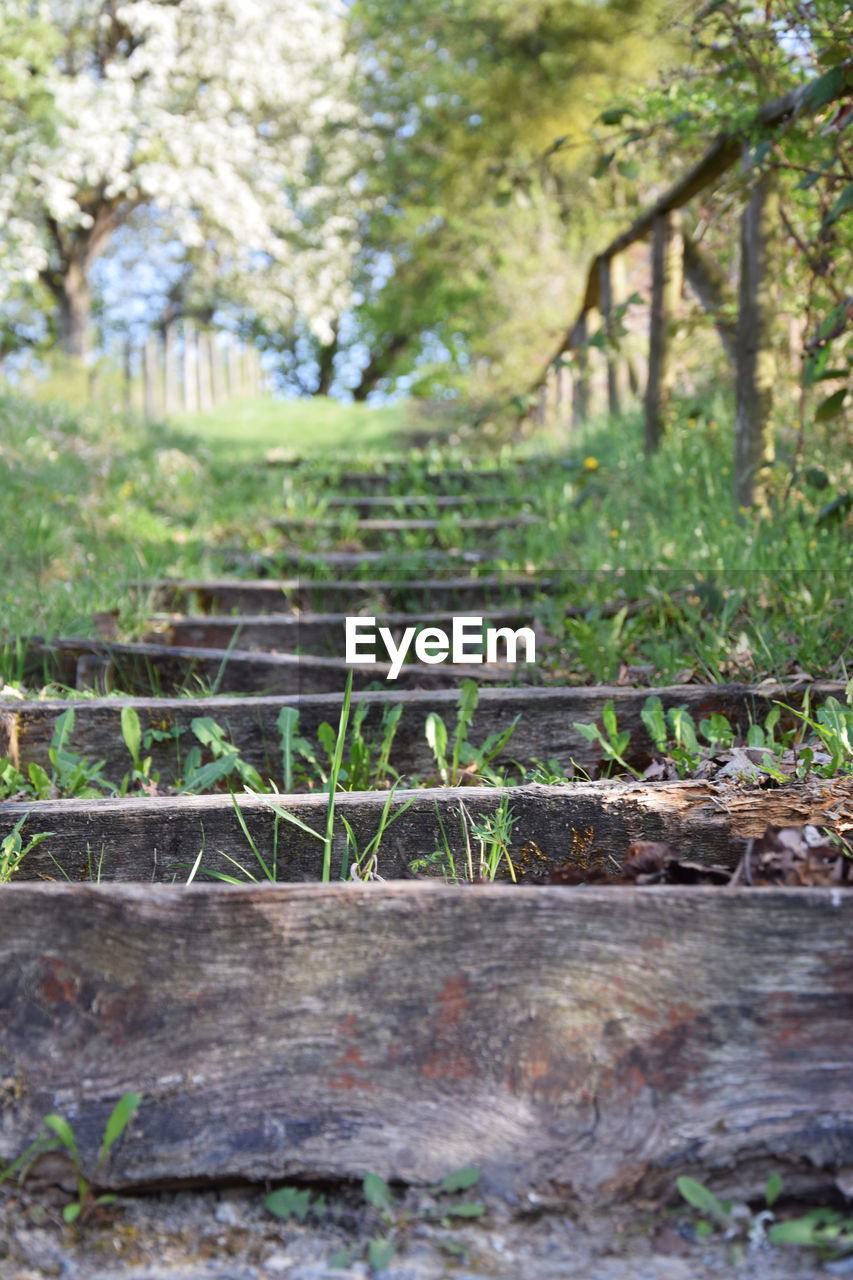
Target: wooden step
[(407, 561), (545, 729), (583, 1045), (584, 824), (402, 503), (378, 533), (320, 633), (151, 668), (270, 595)]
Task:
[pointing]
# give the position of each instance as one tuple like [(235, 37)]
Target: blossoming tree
[(210, 113)]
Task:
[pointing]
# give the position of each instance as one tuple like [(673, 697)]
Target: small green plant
[(735, 1220), (827, 1230), (71, 774), (361, 768), (13, 850), (614, 744), (226, 760), (60, 1135), (291, 1202), (464, 757), (131, 732), (395, 1218), (491, 832), (833, 727)]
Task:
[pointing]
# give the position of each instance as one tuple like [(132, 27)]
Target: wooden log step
[(406, 525), (402, 503), (152, 668), (270, 595), (377, 532), (407, 561), (587, 825), (545, 729), (321, 633), (587, 1044)]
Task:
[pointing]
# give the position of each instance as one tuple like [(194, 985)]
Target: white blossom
[(209, 111)]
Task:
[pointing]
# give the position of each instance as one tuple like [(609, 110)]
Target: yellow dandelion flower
[(590, 464)]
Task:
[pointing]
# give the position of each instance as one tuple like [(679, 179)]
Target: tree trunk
[(326, 362), (379, 366), (756, 365), (75, 299), (666, 291)]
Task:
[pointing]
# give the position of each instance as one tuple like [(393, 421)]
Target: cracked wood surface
[(589, 1043)]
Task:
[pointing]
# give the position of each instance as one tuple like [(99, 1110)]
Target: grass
[(245, 430), (96, 502)]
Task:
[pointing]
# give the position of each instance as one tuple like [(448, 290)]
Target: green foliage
[(226, 760), (465, 757), (13, 850), (396, 1219), (290, 1202), (63, 1139), (827, 1230), (612, 742), (738, 63)]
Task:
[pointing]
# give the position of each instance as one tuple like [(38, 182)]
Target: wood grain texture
[(590, 1043), (585, 824), (545, 729)]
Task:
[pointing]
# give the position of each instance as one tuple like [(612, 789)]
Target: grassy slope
[(247, 429), (93, 501)]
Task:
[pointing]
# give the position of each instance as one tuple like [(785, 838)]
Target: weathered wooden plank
[(545, 729), (398, 504), (310, 632), (146, 668), (376, 532), (270, 595), (586, 824), (409, 560), (382, 474), (584, 1044)]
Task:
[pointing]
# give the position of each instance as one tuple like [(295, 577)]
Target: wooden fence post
[(756, 363), (564, 395), (666, 292), (611, 289), (580, 388), (190, 380)]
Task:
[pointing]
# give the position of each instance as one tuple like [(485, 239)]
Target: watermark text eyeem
[(464, 645)]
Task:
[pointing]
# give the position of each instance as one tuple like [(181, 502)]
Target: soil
[(229, 1235)]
